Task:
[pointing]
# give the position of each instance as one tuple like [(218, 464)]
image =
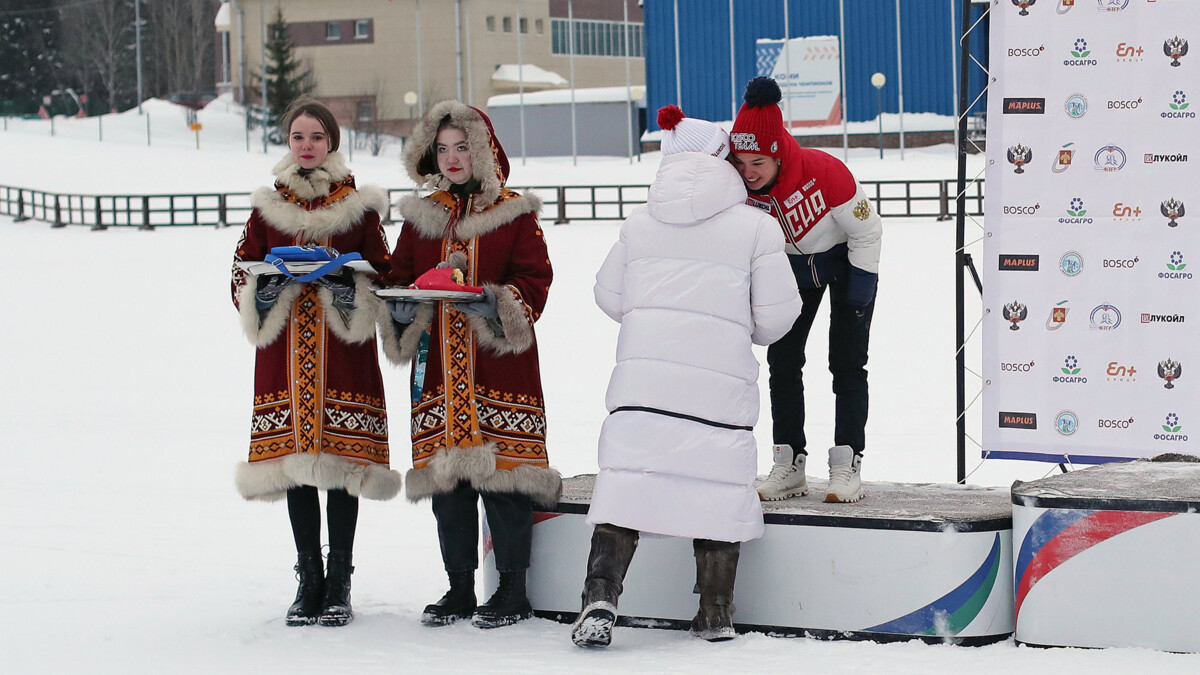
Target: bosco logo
[(1124, 104), (1121, 264), (1021, 210), (1115, 424), (1031, 52), (1016, 367)]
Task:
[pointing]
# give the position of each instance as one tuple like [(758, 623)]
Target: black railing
[(561, 204)]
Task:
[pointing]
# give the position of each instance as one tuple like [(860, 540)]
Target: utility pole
[(137, 30)]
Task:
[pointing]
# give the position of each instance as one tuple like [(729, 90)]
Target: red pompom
[(669, 116)]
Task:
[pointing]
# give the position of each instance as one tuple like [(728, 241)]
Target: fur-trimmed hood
[(489, 163), (333, 181)]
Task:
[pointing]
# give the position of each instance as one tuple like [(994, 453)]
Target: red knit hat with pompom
[(759, 127)]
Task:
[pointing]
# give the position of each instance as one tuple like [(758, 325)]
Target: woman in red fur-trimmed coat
[(478, 421), (319, 415)]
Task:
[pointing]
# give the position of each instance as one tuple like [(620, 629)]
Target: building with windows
[(381, 64)]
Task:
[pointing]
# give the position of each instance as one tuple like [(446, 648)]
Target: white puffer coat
[(695, 278)]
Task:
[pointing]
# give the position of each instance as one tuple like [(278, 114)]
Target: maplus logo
[(1129, 53), (1126, 213), (1079, 53), (1016, 367), (1070, 372), (1114, 424), (1171, 430), (1175, 267), (1115, 372), (1018, 263), (1179, 107), (1018, 420)]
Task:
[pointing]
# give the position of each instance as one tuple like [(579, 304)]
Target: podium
[(1106, 557), (928, 562)]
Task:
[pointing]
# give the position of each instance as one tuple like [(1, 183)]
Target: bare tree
[(96, 46), (372, 133)]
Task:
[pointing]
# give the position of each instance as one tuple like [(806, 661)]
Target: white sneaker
[(594, 626), (845, 483), (787, 477)]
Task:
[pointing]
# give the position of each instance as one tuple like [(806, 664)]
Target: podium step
[(929, 562)]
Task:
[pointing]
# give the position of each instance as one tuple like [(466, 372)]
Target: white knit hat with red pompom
[(688, 134)]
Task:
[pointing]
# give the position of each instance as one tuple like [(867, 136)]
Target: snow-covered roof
[(636, 93), (529, 74)]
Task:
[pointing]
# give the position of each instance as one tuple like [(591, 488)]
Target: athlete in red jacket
[(833, 241)]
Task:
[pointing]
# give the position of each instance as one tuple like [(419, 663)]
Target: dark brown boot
[(608, 561), (716, 571)]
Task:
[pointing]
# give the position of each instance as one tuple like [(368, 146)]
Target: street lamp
[(879, 80), (410, 100)]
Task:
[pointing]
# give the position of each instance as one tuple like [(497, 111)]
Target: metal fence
[(561, 204)]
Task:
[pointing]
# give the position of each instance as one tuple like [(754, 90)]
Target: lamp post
[(879, 80), (410, 100)]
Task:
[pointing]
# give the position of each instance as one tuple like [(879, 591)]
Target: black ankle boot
[(337, 610), (507, 605), (457, 603), (311, 592)]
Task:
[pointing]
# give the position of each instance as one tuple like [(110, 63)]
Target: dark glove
[(342, 287), (860, 287), (484, 307), (269, 288), (402, 311)]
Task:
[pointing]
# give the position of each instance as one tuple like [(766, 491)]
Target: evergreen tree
[(29, 54), (287, 78)]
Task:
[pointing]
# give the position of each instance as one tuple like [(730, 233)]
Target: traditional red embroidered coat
[(319, 413), (479, 414)]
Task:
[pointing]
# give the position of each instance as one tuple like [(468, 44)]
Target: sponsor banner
[(1091, 141), (808, 70)]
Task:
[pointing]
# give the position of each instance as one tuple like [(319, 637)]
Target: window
[(596, 38), (491, 24), (333, 30), (508, 24), (362, 29), (524, 25), (363, 112), (539, 26)]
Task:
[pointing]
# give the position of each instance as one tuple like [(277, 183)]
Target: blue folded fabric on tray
[(280, 256)]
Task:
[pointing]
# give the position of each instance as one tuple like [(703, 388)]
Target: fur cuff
[(478, 466), (518, 331), (400, 341), (270, 479), (266, 331), (363, 319)]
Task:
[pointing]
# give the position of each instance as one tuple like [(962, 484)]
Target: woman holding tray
[(319, 418), (478, 422)]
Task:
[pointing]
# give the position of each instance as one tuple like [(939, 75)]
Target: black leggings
[(304, 508)]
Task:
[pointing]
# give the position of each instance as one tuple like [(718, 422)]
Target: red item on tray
[(444, 279)]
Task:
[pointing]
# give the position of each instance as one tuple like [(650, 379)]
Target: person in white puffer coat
[(696, 278)]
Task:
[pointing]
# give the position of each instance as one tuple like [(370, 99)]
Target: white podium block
[(930, 562), (1106, 557)]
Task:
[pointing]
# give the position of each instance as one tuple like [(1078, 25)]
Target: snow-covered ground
[(126, 398)]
